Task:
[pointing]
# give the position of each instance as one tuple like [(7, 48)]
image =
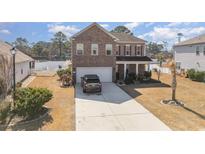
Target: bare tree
[(5, 74)]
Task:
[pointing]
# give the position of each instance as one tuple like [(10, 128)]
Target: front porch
[(134, 65), (136, 68)]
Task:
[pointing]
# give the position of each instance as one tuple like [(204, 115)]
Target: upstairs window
[(197, 51), (21, 71), (138, 50), (118, 49), (94, 49), (204, 51), (79, 49), (108, 48), (128, 50), (142, 50)]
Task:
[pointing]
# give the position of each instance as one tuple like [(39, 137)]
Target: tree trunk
[(174, 83), (60, 48), (173, 94), (158, 74)]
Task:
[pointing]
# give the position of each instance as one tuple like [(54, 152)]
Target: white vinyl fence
[(162, 69)]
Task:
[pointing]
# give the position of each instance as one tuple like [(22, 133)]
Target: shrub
[(29, 101), (62, 72), (2, 87), (191, 74), (128, 80), (147, 74), (18, 84), (196, 75), (199, 76), (132, 76), (5, 108)]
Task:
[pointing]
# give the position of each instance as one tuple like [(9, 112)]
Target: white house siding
[(22, 70), (186, 55)]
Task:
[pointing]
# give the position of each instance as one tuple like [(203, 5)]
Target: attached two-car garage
[(105, 73)]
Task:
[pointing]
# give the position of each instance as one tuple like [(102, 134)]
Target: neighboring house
[(190, 54), (97, 51), (24, 63)]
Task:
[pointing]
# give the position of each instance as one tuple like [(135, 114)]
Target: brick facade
[(91, 36), (94, 34)]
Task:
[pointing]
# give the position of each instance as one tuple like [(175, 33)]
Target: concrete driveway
[(113, 109)]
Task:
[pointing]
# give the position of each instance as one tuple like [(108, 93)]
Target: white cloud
[(104, 25), (33, 33), (5, 31), (67, 30), (175, 24), (149, 24), (132, 25), (169, 34)]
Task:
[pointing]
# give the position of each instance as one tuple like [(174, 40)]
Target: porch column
[(136, 69), (125, 68)]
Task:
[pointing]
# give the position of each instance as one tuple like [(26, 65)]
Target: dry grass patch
[(61, 105), (191, 93)]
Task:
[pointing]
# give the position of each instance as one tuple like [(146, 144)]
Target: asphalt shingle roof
[(196, 40), (123, 37), (20, 56)]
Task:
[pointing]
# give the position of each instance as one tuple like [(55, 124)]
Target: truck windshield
[(92, 80)]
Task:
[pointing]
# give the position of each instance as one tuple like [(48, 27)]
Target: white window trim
[(79, 49), (178, 65), (197, 51), (96, 49), (110, 49), (204, 51)]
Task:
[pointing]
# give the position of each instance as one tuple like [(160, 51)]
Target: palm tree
[(172, 66)]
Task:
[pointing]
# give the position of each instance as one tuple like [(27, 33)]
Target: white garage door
[(105, 73)]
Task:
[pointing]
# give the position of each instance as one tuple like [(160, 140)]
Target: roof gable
[(20, 56), (92, 25), (118, 37)]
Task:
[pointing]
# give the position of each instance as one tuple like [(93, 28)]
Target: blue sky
[(150, 31)]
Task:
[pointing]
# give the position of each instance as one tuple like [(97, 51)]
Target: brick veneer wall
[(97, 36)]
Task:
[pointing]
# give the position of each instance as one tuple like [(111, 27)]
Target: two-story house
[(97, 51), (190, 53)]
